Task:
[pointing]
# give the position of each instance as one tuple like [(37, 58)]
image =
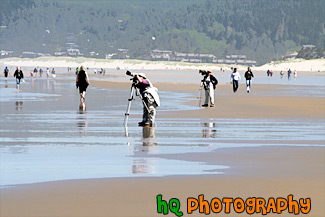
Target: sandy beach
[(311, 66), (271, 142), (257, 172)]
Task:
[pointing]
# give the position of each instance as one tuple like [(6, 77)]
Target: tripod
[(134, 92), (202, 84)]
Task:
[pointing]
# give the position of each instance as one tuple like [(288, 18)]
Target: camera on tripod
[(134, 79), (203, 72)]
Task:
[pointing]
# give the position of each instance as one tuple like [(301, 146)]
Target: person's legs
[(152, 109), (82, 92), (149, 111), (235, 85), (206, 101), (145, 115), (84, 95), (18, 82), (211, 90), (248, 85)]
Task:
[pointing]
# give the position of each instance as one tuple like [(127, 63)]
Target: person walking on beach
[(53, 73), (6, 72), (35, 71), (40, 72), (289, 74), (18, 75), (248, 75), (150, 100), (295, 74), (209, 83), (82, 82), (234, 79), (281, 74), (47, 72)]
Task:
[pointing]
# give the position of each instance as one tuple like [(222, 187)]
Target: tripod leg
[(200, 93), (143, 102), (127, 113)]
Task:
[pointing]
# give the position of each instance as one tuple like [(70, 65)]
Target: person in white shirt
[(209, 83), (235, 77)]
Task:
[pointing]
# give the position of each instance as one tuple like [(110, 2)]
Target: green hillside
[(262, 30)]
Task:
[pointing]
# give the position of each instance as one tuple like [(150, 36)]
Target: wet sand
[(268, 171), (254, 172), (264, 101)]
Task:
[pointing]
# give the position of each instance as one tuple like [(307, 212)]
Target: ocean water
[(45, 135)]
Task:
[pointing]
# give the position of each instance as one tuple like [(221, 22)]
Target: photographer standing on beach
[(248, 75), (234, 79), (150, 99), (209, 83)]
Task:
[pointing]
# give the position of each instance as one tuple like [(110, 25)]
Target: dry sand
[(254, 172), (300, 65)]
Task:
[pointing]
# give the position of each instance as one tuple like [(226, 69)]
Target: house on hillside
[(5, 53), (74, 52), (161, 55), (308, 46)]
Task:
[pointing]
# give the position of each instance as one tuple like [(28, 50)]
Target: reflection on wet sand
[(208, 130), (148, 134), (82, 122), (50, 84), (82, 107), (19, 105), (145, 165), (142, 166)]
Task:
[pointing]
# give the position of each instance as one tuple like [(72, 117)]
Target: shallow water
[(45, 136)]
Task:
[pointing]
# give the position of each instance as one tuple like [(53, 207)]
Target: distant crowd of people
[(33, 73), (289, 72)]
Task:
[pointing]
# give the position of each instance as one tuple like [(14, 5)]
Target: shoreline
[(301, 65)]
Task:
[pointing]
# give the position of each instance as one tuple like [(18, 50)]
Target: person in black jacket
[(18, 75), (248, 75), (209, 83), (6, 72)]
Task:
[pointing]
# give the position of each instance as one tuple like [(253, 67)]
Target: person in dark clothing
[(35, 71), (289, 74), (18, 75), (6, 72), (209, 83), (82, 83), (248, 75)]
